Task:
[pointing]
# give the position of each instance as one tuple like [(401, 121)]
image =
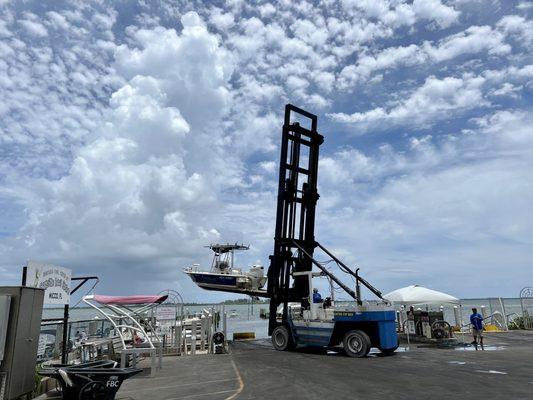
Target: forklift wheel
[(281, 338), (356, 343)]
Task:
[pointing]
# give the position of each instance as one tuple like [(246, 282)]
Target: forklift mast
[(294, 241)]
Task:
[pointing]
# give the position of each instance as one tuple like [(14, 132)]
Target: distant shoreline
[(258, 302)]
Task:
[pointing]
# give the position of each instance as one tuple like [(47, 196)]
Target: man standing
[(477, 327), (317, 298)]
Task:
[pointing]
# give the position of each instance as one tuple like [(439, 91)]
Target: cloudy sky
[(133, 134)]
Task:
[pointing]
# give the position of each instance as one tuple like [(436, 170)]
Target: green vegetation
[(517, 323)]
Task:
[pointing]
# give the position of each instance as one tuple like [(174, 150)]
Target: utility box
[(21, 338)]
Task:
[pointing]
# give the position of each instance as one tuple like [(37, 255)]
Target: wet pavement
[(254, 370)]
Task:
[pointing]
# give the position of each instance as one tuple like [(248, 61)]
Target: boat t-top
[(223, 275)]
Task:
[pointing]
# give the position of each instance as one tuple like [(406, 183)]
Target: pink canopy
[(129, 299)]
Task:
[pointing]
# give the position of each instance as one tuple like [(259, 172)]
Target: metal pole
[(504, 316), (64, 354), (326, 272)]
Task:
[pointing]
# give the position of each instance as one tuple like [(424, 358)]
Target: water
[(248, 320)]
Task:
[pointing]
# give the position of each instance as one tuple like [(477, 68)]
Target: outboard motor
[(257, 274)]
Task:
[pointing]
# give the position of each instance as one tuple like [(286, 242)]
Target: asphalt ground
[(253, 370)]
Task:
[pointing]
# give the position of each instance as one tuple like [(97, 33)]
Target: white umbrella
[(416, 294)]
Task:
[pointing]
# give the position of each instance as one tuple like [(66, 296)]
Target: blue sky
[(131, 135)]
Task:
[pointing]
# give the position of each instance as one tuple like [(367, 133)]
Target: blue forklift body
[(385, 322), (380, 326)]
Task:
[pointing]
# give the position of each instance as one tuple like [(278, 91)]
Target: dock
[(254, 370)]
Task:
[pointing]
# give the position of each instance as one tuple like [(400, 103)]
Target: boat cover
[(129, 299)]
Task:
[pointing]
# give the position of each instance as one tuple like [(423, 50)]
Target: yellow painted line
[(241, 383)]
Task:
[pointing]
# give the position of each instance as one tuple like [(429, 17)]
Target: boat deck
[(254, 370)]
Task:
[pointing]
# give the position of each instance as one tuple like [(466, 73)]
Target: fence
[(500, 313), (526, 303), (180, 334)]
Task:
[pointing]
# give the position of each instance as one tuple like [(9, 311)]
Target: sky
[(132, 134)]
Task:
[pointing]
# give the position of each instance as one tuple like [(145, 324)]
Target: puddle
[(400, 349), (491, 371), (376, 353), (486, 348)]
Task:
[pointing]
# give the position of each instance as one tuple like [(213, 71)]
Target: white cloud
[(519, 28), (402, 13), (444, 204), (432, 101), (525, 5), (33, 26), (127, 144), (142, 186), (191, 89), (473, 40), (507, 89), (442, 14)]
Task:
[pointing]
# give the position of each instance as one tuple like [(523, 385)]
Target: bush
[(517, 323)]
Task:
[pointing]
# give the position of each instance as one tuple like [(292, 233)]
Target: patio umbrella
[(416, 294)]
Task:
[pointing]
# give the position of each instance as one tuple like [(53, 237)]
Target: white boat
[(223, 276)]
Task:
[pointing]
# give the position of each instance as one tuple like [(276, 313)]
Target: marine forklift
[(302, 322)]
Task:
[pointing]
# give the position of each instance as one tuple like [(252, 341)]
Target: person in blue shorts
[(476, 320)]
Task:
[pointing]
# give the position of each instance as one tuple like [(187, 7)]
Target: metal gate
[(526, 301)]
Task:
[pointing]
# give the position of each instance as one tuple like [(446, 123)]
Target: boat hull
[(225, 283)]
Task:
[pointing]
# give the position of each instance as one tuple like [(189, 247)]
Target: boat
[(224, 276), (233, 314)]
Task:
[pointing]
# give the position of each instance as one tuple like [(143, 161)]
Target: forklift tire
[(356, 343), (281, 338)]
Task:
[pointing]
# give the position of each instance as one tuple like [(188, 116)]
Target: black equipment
[(93, 380), (294, 240), (219, 342), (295, 218)]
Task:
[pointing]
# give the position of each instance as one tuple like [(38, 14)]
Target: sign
[(55, 280), (411, 327), (165, 313), (165, 327)]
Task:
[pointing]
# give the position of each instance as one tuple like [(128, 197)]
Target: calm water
[(248, 320)]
